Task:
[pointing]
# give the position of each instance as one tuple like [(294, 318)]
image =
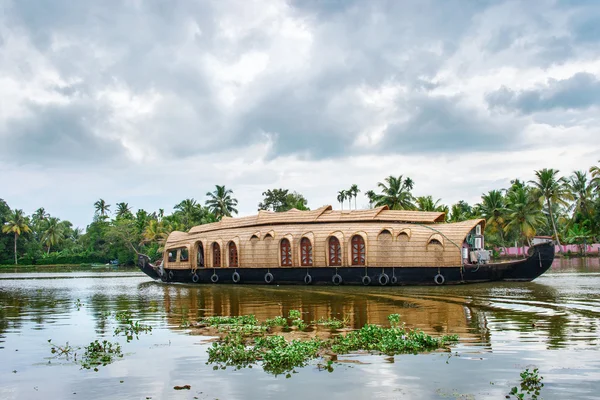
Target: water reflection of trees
[(38, 306)]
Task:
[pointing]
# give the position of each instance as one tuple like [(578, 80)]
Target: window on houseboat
[(335, 252), (306, 257), (184, 255), (286, 253), (172, 255), (358, 250), (200, 259), (233, 255), (216, 255)]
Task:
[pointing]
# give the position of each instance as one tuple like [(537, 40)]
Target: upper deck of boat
[(323, 214)]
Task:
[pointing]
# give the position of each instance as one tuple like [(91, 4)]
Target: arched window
[(183, 254), (286, 253), (200, 255), (216, 255), (306, 258), (358, 250), (335, 252), (233, 255)]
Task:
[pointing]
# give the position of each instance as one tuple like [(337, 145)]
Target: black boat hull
[(538, 262)]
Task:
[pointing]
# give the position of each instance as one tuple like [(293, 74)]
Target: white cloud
[(133, 102)]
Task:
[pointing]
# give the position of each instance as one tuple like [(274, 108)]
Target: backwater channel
[(551, 323)]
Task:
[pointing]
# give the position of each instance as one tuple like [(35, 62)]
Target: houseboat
[(377, 246)]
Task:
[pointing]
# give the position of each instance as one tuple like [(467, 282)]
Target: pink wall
[(574, 248)]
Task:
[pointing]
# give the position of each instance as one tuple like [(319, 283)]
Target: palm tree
[(396, 193), (372, 196), (53, 232), (101, 208), (595, 171), (523, 213), (493, 209), (40, 214), (426, 203), (582, 194), (554, 191), (155, 232), (461, 211), (354, 190), (189, 209), (123, 211), (221, 203), (341, 197), (18, 225)]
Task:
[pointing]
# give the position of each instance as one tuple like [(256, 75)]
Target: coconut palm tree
[(426, 203), (221, 203), (595, 171), (372, 196), (523, 213), (53, 232), (354, 190), (189, 210), (123, 211), (16, 224), (40, 214), (551, 190), (341, 197), (493, 209), (461, 211), (582, 193), (155, 232), (102, 208), (395, 193)]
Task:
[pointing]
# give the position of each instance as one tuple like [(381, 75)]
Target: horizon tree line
[(566, 208)]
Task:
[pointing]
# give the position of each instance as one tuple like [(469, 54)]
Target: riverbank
[(62, 267)]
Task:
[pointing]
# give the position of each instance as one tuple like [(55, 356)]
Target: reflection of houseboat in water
[(366, 247), (444, 313)]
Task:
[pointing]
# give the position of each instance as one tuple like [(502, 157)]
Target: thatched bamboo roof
[(323, 215)]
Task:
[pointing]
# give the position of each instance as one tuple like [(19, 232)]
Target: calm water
[(552, 323)]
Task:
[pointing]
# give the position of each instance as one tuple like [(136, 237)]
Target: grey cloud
[(55, 134), (443, 125), (580, 91), (148, 47)]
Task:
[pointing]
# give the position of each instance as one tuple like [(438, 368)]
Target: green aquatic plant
[(129, 327), (332, 323), (78, 304), (297, 321), (239, 320), (389, 341), (100, 353), (277, 321), (394, 319), (531, 385), (232, 351), (280, 355), (67, 351)]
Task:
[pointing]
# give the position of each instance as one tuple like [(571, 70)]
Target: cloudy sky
[(150, 102)]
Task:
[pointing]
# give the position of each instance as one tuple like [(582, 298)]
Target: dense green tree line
[(44, 239), (565, 207)]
